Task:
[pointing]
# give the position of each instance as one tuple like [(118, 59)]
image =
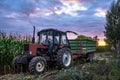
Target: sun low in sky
[(102, 43), (86, 17)]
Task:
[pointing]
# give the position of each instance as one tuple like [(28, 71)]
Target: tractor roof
[(51, 29)]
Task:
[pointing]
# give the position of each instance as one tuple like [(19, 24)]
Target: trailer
[(83, 48)]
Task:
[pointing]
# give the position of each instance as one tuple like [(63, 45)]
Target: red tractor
[(53, 46)]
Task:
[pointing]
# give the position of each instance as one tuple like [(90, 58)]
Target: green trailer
[(83, 48)]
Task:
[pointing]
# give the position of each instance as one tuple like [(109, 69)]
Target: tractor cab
[(53, 38), (49, 42)]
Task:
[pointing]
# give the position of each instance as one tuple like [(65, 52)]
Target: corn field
[(10, 46)]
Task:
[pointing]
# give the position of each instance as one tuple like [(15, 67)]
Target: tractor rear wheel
[(64, 58), (37, 65)]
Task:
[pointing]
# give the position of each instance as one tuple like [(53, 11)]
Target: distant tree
[(112, 26), (96, 39)]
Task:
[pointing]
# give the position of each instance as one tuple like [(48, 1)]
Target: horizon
[(86, 17)]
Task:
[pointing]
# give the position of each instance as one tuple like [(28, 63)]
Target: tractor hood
[(32, 48)]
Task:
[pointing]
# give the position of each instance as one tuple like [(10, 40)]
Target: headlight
[(30, 52)]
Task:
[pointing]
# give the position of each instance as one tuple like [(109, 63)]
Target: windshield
[(46, 38)]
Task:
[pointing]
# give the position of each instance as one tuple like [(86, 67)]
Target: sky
[(86, 17)]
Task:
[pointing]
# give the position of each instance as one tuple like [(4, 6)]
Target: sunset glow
[(102, 43)]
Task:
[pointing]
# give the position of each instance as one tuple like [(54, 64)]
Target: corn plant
[(10, 46)]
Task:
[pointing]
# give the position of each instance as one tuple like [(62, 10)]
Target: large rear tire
[(37, 65), (64, 58)]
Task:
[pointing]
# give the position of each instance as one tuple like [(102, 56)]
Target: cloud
[(78, 1), (99, 12), (70, 9), (83, 16), (20, 6), (48, 4), (13, 15)]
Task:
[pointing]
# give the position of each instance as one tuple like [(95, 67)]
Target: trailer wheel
[(90, 57), (64, 58), (37, 65)]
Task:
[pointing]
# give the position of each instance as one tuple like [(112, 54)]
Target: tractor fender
[(23, 59)]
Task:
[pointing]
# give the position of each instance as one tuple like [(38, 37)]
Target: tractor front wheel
[(64, 58), (37, 65)]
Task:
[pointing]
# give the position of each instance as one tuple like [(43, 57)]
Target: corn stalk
[(10, 46)]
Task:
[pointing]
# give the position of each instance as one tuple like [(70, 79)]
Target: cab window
[(42, 38), (64, 40)]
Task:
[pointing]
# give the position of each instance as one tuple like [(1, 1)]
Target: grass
[(100, 49), (100, 69)]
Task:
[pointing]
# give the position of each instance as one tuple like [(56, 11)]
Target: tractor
[(53, 46)]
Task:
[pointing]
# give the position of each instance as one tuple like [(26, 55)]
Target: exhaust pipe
[(33, 38)]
